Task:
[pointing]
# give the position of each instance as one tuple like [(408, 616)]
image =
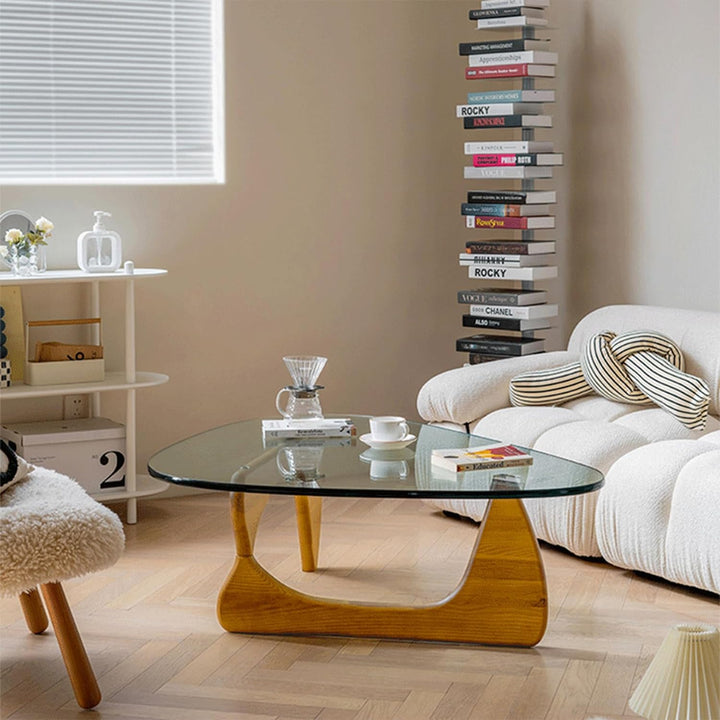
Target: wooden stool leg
[(82, 677), (34, 612)]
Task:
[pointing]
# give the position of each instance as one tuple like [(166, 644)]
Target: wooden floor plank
[(150, 628)]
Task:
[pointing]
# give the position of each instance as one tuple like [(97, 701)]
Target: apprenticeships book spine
[(542, 222), (501, 296), (504, 22), (540, 57), (503, 46), (512, 197), (510, 247), (504, 71), (516, 159)]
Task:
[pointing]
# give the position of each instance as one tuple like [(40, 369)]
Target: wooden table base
[(501, 599)]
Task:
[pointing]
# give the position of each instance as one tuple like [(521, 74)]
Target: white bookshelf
[(127, 380)]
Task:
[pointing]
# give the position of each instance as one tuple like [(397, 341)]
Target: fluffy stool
[(51, 530)]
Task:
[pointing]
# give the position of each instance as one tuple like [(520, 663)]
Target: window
[(111, 92)]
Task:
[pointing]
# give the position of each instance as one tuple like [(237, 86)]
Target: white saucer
[(368, 439)]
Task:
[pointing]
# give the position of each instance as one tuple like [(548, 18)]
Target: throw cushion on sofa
[(635, 367), (12, 466)]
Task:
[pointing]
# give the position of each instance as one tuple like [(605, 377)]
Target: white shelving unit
[(127, 380)]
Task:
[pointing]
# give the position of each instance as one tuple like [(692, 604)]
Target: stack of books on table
[(502, 249), (319, 428), (482, 457)]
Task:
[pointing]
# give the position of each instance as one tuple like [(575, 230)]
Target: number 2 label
[(114, 479)]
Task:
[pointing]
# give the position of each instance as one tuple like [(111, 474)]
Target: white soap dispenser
[(99, 250)]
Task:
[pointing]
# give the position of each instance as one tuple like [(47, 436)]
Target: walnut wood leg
[(308, 510), (80, 672), (34, 612), (501, 600)]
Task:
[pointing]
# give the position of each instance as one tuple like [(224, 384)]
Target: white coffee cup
[(387, 428)]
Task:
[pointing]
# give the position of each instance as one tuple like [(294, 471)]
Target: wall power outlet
[(75, 406)]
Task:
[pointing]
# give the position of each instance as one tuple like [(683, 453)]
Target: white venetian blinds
[(111, 91)]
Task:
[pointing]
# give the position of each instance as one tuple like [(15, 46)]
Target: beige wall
[(337, 228)]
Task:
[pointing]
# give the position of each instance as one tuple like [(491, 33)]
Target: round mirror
[(15, 219)]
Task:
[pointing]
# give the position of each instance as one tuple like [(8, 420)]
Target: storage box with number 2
[(89, 450)]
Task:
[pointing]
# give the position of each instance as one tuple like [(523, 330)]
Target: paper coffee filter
[(683, 679), (304, 369)]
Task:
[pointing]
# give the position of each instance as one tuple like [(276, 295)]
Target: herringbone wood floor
[(149, 627)]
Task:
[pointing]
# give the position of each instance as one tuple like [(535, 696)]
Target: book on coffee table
[(322, 427), (482, 457)]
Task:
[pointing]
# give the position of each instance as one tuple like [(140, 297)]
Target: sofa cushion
[(635, 507), (522, 425), (692, 544), (654, 425), (637, 368), (570, 521), (695, 332)]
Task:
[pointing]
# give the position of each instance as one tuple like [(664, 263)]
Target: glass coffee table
[(502, 597)]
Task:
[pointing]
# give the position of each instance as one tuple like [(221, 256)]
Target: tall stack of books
[(502, 255)]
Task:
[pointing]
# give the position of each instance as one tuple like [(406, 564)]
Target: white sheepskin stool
[(51, 530)]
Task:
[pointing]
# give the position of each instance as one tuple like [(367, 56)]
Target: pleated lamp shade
[(683, 680)]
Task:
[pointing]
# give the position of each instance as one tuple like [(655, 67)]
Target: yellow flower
[(13, 236), (44, 225)]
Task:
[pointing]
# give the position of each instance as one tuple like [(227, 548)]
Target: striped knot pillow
[(636, 367), (12, 467)]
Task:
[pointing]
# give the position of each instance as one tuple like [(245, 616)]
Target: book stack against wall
[(503, 210)]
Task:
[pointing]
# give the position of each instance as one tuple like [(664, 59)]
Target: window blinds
[(111, 91)]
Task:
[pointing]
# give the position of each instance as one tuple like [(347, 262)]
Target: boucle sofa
[(659, 510)]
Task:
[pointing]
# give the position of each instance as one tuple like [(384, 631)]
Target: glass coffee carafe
[(303, 402)]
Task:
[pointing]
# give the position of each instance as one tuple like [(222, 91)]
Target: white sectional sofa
[(659, 510)]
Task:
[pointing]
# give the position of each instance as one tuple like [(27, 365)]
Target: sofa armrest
[(465, 394)]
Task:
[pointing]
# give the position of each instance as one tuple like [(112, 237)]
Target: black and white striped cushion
[(636, 367), (12, 466), (549, 387)]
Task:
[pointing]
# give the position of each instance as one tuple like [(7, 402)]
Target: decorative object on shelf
[(508, 65), (13, 468), (4, 362), (5, 373), (71, 365), (25, 241), (13, 344), (303, 403), (99, 249), (637, 368), (683, 679)]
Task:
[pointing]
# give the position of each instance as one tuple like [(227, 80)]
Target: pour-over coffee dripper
[(303, 403)]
